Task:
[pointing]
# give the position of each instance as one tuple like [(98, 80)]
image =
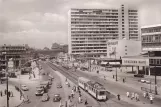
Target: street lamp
[(156, 92), (4, 53)]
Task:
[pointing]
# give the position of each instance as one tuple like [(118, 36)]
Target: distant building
[(46, 48), (120, 48), (89, 29), (60, 48), (18, 53)]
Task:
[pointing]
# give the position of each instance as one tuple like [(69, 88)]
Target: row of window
[(93, 16), (95, 51), (155, 61), (93, 36), (150, 30), (133, 22), (151, 38), (94, 31), (88, 45), (94, 10), (94, 28), (132, 10), (94, 23), (100, 41), (89, 19), (89, 48), (133, 25)]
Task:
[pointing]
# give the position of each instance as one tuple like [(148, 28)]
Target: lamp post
[(115, 65), (4, 53), (156, 92)]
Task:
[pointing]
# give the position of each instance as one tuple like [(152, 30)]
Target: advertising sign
[(135, 62)]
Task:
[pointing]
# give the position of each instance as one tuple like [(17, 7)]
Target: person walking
[(151, 99), (85, 103), (132, 96), (79, 99), (135, 95), (1, 93), (128, 94), (144, 94)]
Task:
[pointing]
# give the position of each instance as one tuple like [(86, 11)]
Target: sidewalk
[(13, 101)]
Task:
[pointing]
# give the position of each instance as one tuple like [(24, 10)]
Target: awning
[(114, 63), (104, 63)]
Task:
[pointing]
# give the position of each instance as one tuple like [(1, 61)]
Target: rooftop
[(151, 26)]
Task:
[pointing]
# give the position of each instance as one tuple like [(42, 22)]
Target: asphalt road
[(118, 88)]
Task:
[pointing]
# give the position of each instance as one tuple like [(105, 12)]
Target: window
[(158, 61), (125, 49), (125, 53)]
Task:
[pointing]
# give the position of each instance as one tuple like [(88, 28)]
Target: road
[(117, 88)]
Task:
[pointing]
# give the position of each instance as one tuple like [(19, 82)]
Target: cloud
[(53, 17)]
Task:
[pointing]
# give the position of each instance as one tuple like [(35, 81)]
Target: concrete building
[(151, 43), (18, 53), (121, 48), (89, 29)]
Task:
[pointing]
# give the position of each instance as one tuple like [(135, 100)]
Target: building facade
[(89, 29), (18, 53), (151, 43), (121, 48)]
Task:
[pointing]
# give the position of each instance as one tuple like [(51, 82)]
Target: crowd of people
[(135, 96), (2, 93)]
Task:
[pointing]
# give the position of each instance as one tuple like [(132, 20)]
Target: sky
[(39, 23)]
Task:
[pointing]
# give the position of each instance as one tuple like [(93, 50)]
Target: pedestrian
[(138, 98), (144, 94), (118, 96), (85, 103), (113, 76), (132, 96), (151, 99), (1, 93), (5, 92), (9, 94), (79, 99), (123, 80), (127, 93), (135, 95)]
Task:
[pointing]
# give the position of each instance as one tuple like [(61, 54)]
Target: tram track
[(74, 78)]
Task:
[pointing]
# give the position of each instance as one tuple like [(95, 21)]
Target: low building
[(151, 43), (116, 49), (18, 53)]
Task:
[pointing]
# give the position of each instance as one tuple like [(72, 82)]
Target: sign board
[(135, 62), (10, 64)]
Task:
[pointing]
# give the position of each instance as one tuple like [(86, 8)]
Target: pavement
[(13, 101), (120, 87)]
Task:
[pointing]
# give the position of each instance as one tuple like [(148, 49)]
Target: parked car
[(56, 98), (45, 97), (24, 88), (59, 86), (39, 91), (139, 75), (143, 80), (147, 81)]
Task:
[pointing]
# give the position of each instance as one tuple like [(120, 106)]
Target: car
[(139, 75), (45, 97), (24, 88), (56, 98), (39, 91), (147, 81), (142, 80), (59, 86)]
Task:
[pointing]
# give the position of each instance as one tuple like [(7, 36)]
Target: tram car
[(82, 82), (95, 89)]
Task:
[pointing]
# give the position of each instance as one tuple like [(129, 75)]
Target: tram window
[(101, 93)]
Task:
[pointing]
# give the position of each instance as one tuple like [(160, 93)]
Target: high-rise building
[(89, 29)]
